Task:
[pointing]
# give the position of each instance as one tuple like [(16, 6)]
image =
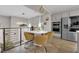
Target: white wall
[(4, 21), (15, 20), (34, 21)]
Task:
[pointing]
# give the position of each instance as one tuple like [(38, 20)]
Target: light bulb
[(39, 25), (29, 25)]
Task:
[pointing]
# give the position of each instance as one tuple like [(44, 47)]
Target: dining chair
[(29, 38), (50, 35), (40, 39)]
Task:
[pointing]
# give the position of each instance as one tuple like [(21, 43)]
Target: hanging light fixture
[(39, 25), (29, 25), (43, 10)]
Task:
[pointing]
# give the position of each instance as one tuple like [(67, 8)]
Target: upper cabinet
[(74, 13)]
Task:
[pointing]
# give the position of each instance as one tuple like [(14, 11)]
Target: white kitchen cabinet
[(65, 28), (66, 34), (77, 38), (72, 36)]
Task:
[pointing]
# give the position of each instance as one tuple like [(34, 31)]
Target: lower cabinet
[(72, 36)]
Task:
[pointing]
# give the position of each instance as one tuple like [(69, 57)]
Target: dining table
[(34, 33), (37, 32)]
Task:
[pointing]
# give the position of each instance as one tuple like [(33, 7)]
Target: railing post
[(61, 28), (3, 39), (20, 36)]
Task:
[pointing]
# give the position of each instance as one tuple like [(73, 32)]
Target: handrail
[(20, 35), (15, 28), (10, 28)]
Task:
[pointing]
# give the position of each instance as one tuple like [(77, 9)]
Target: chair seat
[(40, 39), (28, 36)]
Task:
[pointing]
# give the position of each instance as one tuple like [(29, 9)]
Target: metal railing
[(10, 38)]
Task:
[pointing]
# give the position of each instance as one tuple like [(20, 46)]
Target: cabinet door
[(72, 36)]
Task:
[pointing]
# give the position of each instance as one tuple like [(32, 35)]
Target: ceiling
[(53, 9), (29, 11), (37, 8), (17, 10), (60, 8)]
